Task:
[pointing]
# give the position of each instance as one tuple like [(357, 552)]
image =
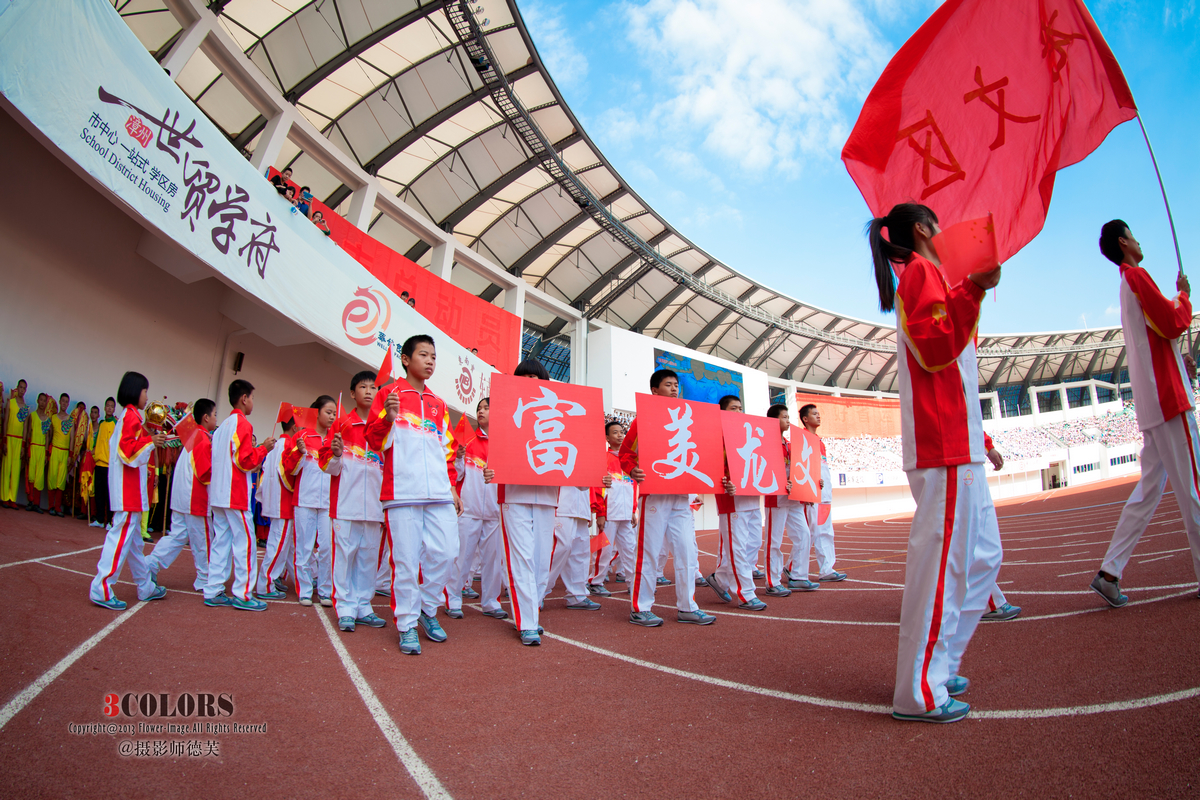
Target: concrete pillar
[(184, 47), (1095, 397), (514, 303), (1033, 404), (579, 339), (362, 206), (442, 262), (1062, 395), (270, 142)]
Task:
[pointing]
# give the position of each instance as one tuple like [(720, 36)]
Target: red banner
[(679, 445), (806, 466), (546, 434), (754, 452)]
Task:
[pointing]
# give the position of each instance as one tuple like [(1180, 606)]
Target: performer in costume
[(100, 454), (130, 446), (16, 421), (313, 528), (80, 435), (820, 535), (61, 434), (37, 450)]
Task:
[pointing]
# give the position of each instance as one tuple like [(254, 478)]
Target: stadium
[(459, 194)]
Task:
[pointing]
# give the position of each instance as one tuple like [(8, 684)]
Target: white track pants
[(947, 582), (424, 543), (313, 532), (619, 550), (800, 559), (569, 557), (122, 541), (355, 563), (1171, 451), (186, 530), (664, 518), (281, 544), (383, 565), (231, 540), (822, 540), (478, 540), (527, 536), (741, 536), (785, 519)]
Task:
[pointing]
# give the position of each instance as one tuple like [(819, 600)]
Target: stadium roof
[(450, 106)]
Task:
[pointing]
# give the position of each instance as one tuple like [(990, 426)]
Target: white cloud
[(1112, 311), (616, 127), (1177, 14), (759, 83), (722, 216), (685, 164), (562, 56)]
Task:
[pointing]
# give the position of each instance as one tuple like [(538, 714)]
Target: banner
[(679, 445), (699, 381), (546, 434), (76, 71), (754, 452), (806, 466)]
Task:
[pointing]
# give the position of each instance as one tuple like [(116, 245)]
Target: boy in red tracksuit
[(785, 516), (130, 447), (355, 509), (478, 527), (615, 507), (235, 458), (739, 518), (277, 485), (419, 501)]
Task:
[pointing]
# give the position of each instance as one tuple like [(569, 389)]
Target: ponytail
[(897, 248)]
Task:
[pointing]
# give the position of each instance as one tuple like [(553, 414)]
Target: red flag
[(599, 542), (285, 412), (185, 429), (546, 434), (806, 466), (754, 451), (305, 417), (385, 384), (980, 109), (967, 247), (679, 445), (464, 432)]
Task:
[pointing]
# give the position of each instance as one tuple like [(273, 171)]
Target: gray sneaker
[(832, 577), (598, 590), (346, 624), (371, 620), (697, 617), (1109, 590), (410, 645), (647, 619), (1004, 612), (719, 588), (804, 585), (432, 627), (584, 605), (498, 613), (778, 591), (950, 711)]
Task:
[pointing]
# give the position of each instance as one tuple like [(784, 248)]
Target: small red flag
[(599, 542), (966, 248), (464, 432), (979, 110), (305, 417), (285, 412), (185, 429)]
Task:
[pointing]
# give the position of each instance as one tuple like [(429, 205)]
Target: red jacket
[(130, 449), (234, 459), (1152, 323), (418, 450), (193, 471)]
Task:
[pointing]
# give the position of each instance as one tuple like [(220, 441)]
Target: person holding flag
[(313, 528), (615, 506)]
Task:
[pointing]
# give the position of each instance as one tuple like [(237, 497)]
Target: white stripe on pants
[(785, 519), (741, 534), (355, 562), (424, 542), (527, 536), (822, 541), (572, 546), (479, 539), (1170, 451), (664, 518), (232, 539), (122, 541), (186, 530), (278, 554), (313, 530), (947, 581)]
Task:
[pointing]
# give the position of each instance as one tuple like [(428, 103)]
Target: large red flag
[(981, 107)]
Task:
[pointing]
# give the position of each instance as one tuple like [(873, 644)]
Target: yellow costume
[(39, 438), (14, 438), (60, 452)]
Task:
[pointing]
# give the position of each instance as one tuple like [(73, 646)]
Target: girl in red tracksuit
[(946, 583)]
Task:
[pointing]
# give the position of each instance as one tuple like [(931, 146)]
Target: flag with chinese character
[(806, 466), (679, 445), (966, 247), (546, 434), (754, 452), (980, 109)]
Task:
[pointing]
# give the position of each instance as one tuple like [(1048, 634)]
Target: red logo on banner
[(754, 451), (367, 313), (138, 129), (679, 445), (464, 384), (806, 466), (545, 433)]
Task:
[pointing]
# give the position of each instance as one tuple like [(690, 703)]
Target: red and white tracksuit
[(819, 534), (947, 581), (189, 511), (276, 487), (130, 449), (1162, 395), (357, 515), (231, 538), (662, 519), (572, 543), (478, 530), (739, 523), (785, 517), (616, 504), (527, 539), (418, 501), (313, 528)]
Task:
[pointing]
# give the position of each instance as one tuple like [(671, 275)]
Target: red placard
[(679, 445), (754, 451), (823, 510), (546, 434), (806, 466)]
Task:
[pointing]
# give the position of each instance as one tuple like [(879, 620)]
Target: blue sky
[(728, 117)]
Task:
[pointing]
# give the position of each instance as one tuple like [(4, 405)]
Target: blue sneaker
[(598, 590), (647, 619), (753, 605), (758, 574), (1109, 590), (698, 617), (433, 630), (220, 600), (584, 605), (832, 577), (158, 594), (531, 638), (1004, 612), (346, 624), (409, 644), (276, 595), (470, 593), (371, 620), (620, 578), (454, 613), (957, 685), (114, 604), (950, 711), (719, 588), (663, 580), (249, 605), (778, 591), (701, 581), (496, 613), (280, 586), (804, 585)]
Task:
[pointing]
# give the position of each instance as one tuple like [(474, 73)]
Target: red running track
[(1070, 698)]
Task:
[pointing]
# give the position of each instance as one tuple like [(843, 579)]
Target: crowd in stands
[(300, 198)]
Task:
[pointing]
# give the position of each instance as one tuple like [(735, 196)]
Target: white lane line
[(1088, 592), (44, 558), (1072, 574), (1062, 614), (1077, 560), (1071, 555), (871, 708), (760, 615), (417, 768), (1148, 560), (26, 696)]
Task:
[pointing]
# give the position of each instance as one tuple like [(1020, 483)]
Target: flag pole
[(1170, 218)]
